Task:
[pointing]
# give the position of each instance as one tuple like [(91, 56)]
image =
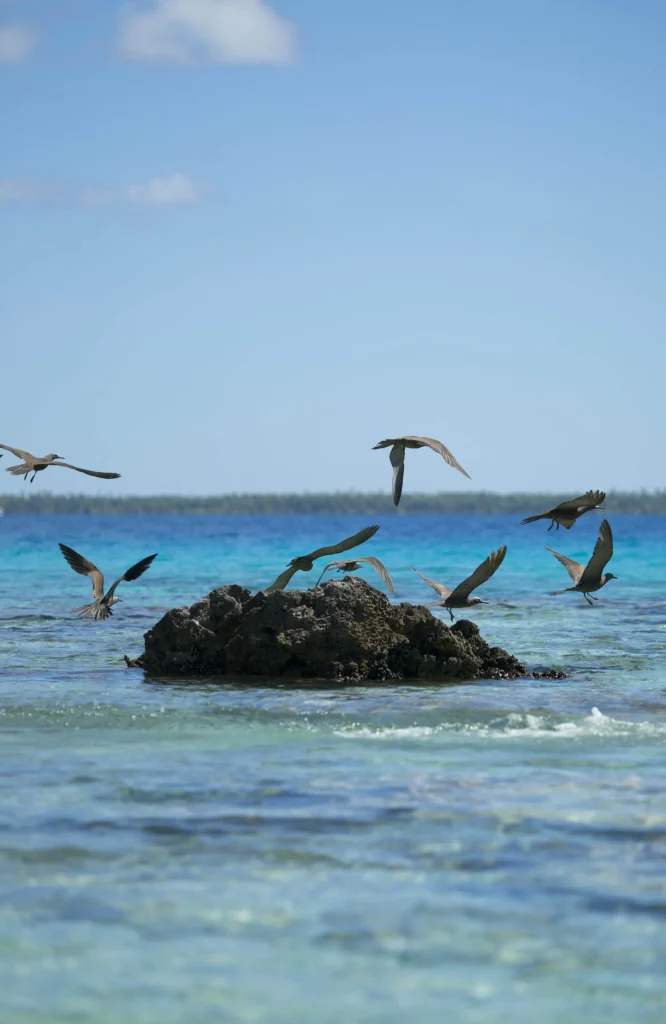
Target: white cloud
[(16, 42), (174, 190), (17, 191), (207, 32), (177, 190)]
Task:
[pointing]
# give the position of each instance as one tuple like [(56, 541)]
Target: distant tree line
[(340, 503)]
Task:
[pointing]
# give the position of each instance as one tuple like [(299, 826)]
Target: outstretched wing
[(88, 472), (397, 457), (442, 450), (533, 519), (350, 542), (592, 498), (282, 580), (132, 573), (325, 570), (85, 568), (381, 571), (480, 575), (19, 453), (575, 569), (603, 552), (439, 587)]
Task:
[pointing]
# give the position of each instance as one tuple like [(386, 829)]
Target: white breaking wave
[(514, 726)]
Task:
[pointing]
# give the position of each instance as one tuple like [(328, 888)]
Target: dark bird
[(354, 564), (101, 605), (567, 512), (305, 562), (591, 577), (397, 457), (459, 598), (34, 464)]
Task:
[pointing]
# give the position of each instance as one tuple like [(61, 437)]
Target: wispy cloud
[(172, 190), (178, 190), (16, 43), (14, 190), (206, 32)]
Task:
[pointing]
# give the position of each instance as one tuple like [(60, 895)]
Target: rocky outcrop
[(343, 630)]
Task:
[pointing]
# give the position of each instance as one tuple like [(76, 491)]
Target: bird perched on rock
[(459, 598), (587, 579), (397, 457), (567, 512), (101, 606), (305, 562), (354, 564), (35, 464)]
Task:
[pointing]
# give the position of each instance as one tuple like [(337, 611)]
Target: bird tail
[(532, 519), (19, 470), (554, 593), (97, 610)]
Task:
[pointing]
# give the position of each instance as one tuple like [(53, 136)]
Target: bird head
[(477, 600), (51, 457), (115, 600), (610, 576)]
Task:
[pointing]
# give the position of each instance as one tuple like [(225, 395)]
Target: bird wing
[(397, 457), (19, 453), (386, 443), (381, 571), (85, 568), (481, 574), (439, 587), (282, 580), (442, 450), (325, 570), (88, 472), (575, 569), (345, 545), (573, 504), (533, 519), (132, 573), (603, 552)]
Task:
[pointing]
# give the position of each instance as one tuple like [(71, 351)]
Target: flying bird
[(459, 598), (35, 464), (567, 512), (305, 562), (397, 457), (101, 605), (591, 577), (354, 564)]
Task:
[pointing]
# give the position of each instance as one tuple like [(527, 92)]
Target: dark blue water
[(475, 853)]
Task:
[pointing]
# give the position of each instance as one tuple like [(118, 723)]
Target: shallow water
[(479, 853)]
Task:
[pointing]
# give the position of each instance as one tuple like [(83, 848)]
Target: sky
[(241, 242)]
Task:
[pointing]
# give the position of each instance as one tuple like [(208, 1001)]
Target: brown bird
[(591, 577), (354, 564), (34, 464), (397, 457), (459, 598), (101, 606), (305, 562), (567, 512)]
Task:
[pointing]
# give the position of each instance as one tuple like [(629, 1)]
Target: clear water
[(475, 853)]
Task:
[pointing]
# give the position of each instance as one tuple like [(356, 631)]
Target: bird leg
[(552, 524), (451, 614), (33, 477), (586, 596), (593, 597)]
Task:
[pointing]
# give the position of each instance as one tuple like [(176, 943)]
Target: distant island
[(338, 503)]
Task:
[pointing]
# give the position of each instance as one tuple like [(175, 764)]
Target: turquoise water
[(195, 852)]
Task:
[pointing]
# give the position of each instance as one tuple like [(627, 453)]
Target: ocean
[(221, 852)]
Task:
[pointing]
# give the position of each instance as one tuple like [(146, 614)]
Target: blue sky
[(242, 242)]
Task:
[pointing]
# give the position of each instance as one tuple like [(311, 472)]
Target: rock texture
[(343, 630)]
